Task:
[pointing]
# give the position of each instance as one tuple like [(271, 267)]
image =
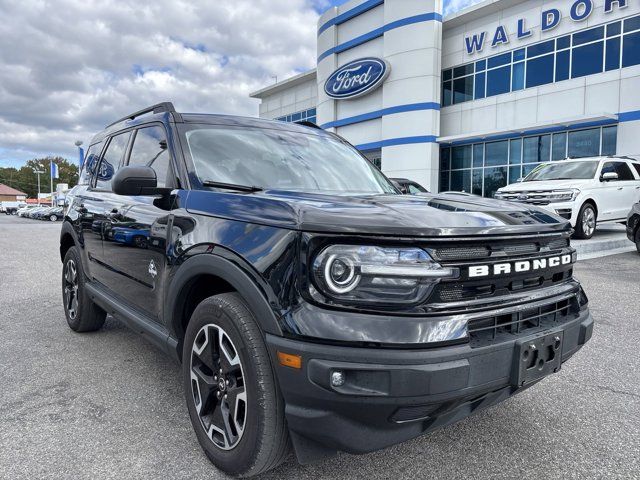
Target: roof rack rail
[(306, 123), (157, 108)]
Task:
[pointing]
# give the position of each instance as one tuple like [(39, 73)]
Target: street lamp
[(80, 155), (38, 172)]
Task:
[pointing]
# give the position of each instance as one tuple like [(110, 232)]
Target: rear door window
[(621, 168), (637, 168), (150, 148), (111, 160)]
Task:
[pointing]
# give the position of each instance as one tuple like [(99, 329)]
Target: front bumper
[(392, 395), (567, 210)]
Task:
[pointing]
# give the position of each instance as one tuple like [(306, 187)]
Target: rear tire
[(586, 223), (638, 239), (240, 422), (82, 314), (53, 218)]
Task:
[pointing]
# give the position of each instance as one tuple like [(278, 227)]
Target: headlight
[(563, 195), (354, 274)]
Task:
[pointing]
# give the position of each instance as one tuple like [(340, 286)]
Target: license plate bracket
[(536, 357)]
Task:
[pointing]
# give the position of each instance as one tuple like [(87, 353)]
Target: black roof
[(165, 112)]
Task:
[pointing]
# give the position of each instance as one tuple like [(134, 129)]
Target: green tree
[(24, 179)]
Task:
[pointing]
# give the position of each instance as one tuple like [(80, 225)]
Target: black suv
[(633, 225), (309, 302)]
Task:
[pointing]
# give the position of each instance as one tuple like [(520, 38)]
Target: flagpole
[(51, 179)]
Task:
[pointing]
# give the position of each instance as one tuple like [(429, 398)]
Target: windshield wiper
[(231, 186)]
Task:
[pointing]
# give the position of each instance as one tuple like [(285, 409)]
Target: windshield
[(563, 171), (281, 160)]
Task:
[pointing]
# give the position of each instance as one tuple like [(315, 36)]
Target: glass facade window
[(461, 157), (302, 116), (541, 48), (515, 151), (482, 168), (584, 143), (478, 155), (587, 60), (609, 140), (498, 81), (612, 60), (540, 71), (496, 153), (559, 146), (480, 84), (562, 65), (463, 89), (537, 149), (586, 52), (631, 50), (517, 78)]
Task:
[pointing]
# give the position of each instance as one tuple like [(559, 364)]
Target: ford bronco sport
[(310, 303)]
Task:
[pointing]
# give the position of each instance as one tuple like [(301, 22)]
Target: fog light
[(337, 378)]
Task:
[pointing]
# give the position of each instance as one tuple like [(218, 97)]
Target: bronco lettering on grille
[(478, 271)]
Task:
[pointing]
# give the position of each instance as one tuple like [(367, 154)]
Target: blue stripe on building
[(378, 32), (396, 141), (381, 113), (348, 15)]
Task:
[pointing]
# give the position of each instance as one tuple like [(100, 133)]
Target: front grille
[(484, 331), (462, 253), (498, 249), (535, 197)]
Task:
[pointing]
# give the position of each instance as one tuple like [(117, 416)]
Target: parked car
[(23, 212), (53, 214), (34, 212), (42, 213), (633, 225), (310, 303), (408, 187), (10, 208), (587, 192)]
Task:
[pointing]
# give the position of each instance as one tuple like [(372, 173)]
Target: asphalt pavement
[(109, 405)]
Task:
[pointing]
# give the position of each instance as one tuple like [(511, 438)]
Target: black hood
[(397, 215)]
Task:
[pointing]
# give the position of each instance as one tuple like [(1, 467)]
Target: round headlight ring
[(347, 278)]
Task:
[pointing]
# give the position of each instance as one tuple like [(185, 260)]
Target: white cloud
[(451, 6), (69, 67)]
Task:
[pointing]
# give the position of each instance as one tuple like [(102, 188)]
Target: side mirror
[(135, 180), (609, 176)]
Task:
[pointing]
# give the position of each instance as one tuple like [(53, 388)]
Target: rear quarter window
[(91, 159)]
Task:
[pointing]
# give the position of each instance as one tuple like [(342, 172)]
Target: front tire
[(586, 224), (233, 398), (82, 314), (638, 239), (53, 218)]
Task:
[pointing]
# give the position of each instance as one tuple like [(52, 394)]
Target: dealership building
[(475, 100)]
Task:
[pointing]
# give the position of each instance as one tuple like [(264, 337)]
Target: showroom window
[(587, 52), (302, 116), (481, 168)]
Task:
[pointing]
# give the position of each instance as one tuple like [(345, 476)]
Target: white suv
[(585, 191)]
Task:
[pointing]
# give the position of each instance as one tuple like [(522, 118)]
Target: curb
[(604, 248)]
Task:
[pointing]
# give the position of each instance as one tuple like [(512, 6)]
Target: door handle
[(620, 188)]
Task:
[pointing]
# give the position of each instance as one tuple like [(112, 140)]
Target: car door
[(136, 230), (627, 181), (93, 202), (614, 194), (635, 168)]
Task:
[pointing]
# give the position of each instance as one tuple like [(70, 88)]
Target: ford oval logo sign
[(357, 78)]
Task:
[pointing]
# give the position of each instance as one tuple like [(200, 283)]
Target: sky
[(70, 67)]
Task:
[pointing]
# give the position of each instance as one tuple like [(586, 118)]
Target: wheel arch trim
[(230, 272)]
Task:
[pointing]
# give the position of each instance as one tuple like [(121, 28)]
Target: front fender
[(228, 267)]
